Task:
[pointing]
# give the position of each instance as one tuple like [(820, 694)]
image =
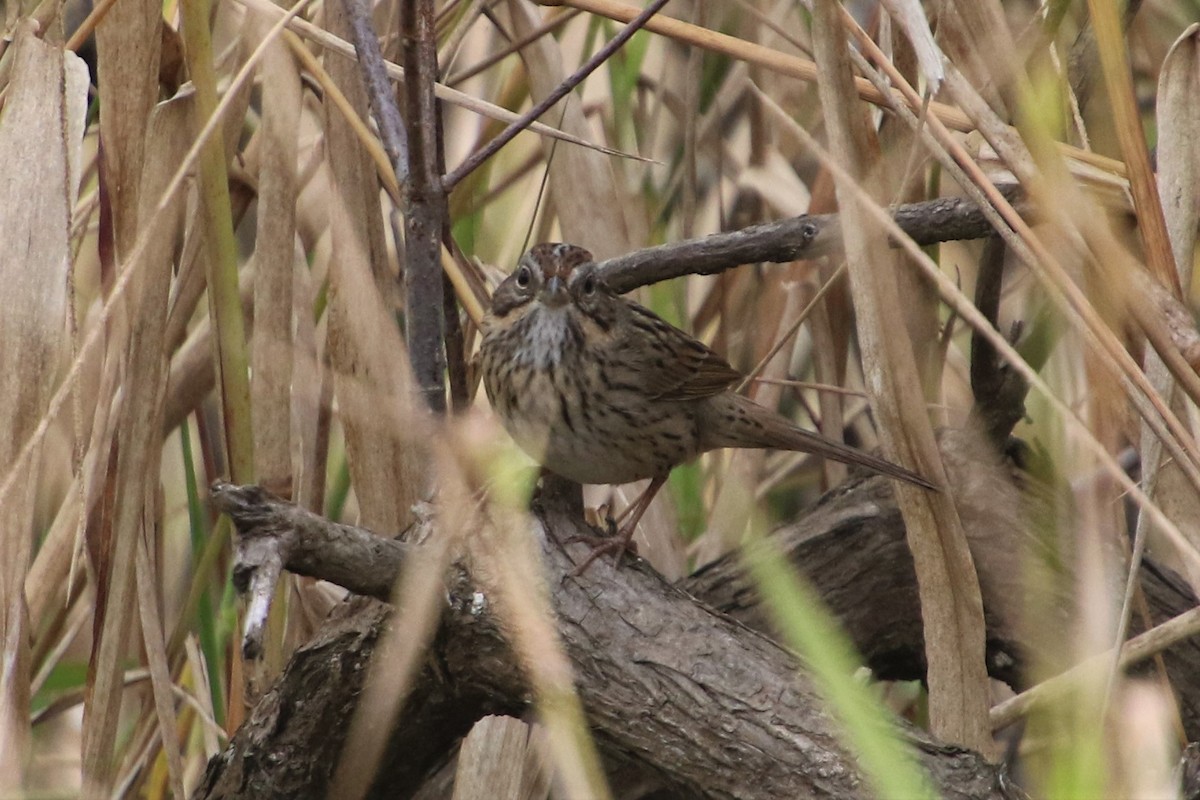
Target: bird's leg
[(622, 542)]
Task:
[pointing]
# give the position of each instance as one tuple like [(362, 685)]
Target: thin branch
[(551, 25), (426, 215), (379, 90), (413, 155), (413, 170), (603, 54), (999, 391), (804, 237), (1148, 644)]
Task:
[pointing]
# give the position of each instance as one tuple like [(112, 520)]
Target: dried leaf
[(1179, 189), (911, 17), (138, 437), (949, 589), (154, 641), (274, 255), (589, 202), (501, 757), (128, 44), (373, 382), (1178, 156), (1127, 121), (35, 212)]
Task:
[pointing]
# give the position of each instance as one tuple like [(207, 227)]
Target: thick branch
[(677, 690), (851, 547)]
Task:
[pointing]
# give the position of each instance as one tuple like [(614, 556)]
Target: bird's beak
[(554, 292)]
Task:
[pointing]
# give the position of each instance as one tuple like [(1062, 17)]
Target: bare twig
[(1139, 648), (999, 391), (414, 160), (603, 54), (379, 90), (425, 216), (782, 241), (551, 25)]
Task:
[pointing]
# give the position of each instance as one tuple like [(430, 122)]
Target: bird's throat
[(550, 333)]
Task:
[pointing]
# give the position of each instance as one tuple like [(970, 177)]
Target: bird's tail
[(736, 421)]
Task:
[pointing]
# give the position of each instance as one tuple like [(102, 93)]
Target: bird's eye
[(523, 277), (589, 285)]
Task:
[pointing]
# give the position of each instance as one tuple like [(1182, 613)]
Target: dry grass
[(214, 293)]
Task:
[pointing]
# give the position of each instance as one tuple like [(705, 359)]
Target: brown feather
[(736, 421), (670, 364)]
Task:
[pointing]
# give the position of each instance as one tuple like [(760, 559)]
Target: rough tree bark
[(674, 689)]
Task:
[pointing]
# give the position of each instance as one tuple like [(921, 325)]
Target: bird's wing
[(669, 364)]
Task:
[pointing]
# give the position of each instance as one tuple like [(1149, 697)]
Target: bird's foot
[(617, 542)]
